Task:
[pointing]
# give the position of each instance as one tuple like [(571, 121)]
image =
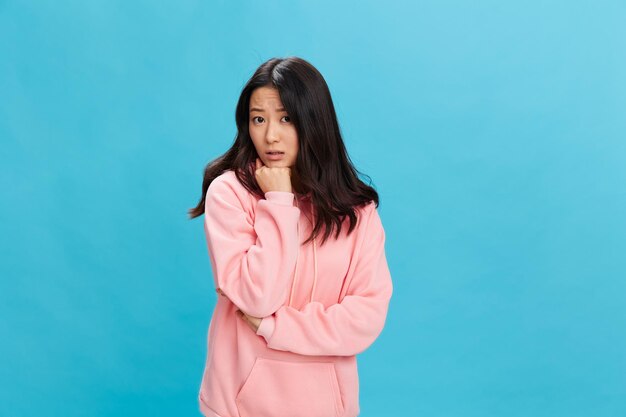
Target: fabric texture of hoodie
[(321, 305)]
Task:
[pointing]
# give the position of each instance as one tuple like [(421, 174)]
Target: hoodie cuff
[(266, 328), (284, 198)]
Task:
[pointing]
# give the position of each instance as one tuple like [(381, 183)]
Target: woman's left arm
[(346, 328)]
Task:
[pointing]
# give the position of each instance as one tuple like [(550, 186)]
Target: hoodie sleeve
[(252, 261), (346, 328)]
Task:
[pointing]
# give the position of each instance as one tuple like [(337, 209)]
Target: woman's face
[(271, 128)]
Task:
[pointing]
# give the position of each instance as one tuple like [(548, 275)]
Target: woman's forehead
[(266, 100), (265, 93)]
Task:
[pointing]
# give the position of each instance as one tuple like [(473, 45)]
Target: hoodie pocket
[(277, 388)]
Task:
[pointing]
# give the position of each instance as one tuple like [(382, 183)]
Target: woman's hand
[(273, 179), (253, 322)]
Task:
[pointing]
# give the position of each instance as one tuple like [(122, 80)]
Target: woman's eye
[(254, 119)]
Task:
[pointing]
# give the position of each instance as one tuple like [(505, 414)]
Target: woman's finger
[(245, 318)]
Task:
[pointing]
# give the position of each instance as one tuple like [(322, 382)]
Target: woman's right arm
[(252, 262)]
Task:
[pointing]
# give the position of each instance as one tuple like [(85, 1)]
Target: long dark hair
[(324, 169)]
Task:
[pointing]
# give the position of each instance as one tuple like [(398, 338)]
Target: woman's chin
[(276, 164)]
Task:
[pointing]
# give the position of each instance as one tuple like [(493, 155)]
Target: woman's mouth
[(274, 156)]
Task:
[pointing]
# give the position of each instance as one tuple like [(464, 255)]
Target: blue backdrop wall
[(494, 131)]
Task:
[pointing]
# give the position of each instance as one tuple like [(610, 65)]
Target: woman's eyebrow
[(261, 110)]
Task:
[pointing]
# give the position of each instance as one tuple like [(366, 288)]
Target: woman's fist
[(273, 179)]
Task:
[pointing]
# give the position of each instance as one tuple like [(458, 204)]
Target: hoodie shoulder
[(372, 223), (366, 210), (226, 180), (364, 213), (227, 187)]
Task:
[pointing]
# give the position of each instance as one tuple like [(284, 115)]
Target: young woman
[(292, 313)]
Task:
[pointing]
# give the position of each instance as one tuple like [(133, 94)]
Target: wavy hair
[(324, 169)]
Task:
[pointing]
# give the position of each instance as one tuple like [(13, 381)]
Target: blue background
[(494, 131)]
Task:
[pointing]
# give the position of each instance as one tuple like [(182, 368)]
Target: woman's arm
[(252, 262), (346, 328)]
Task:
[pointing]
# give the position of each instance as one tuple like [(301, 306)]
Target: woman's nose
[(271, 135)]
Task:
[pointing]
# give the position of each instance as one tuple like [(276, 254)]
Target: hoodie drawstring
[(293, 283)]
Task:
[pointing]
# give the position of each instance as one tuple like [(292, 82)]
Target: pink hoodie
[(321, 305)]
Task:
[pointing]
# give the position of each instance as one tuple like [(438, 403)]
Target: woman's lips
[(274, 156)]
